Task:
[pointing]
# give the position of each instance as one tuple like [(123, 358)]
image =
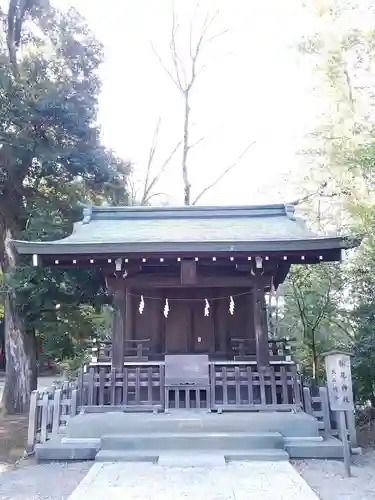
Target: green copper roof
[(166, 229)]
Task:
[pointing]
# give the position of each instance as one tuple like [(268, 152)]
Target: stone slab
[(191, 459), (234, 481), (187, 441), (55, 449), (150, 456), (326, 449), (287, 424)]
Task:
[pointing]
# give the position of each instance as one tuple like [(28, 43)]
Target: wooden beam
[(188, 272), (150, 281)]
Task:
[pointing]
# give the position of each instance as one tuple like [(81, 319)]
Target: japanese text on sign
[(339, 382)]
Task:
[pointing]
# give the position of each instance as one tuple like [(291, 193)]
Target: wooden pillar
[(129, 324), (118, 326), (260, 326)]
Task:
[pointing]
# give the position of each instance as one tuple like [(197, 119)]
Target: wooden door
[(203, 340), (178, 328)]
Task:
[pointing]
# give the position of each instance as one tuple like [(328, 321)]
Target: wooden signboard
[(339, 381), (340, 395), (186, 370)]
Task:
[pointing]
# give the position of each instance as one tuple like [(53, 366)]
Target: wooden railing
[(279, 350), (136, 387), (242, 386), (51, 410), (234, 385), (137, 349), (315, 403)]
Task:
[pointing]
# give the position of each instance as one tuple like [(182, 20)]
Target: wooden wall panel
[(186, 329), (203, 334), (178, 323), (147, 324)]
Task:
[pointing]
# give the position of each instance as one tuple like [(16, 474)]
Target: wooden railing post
[(43, 430), (323, 393), (56, 412), (307, 400), (73, 406), (350, 423), (33, 421)]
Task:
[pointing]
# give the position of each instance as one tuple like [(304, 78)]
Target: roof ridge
[(91, 212), (187, 208)]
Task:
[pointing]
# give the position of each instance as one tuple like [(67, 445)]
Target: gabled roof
[(105, 230)]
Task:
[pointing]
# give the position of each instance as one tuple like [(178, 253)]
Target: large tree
[(340, 154), (49, 139)]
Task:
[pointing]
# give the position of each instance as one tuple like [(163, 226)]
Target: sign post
[(340, 394)]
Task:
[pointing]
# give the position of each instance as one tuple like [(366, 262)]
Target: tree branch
[(223, 174), (176, 83), (150, 160), (146, 195)]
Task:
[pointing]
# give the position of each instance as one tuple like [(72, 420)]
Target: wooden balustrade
[(134, 387), (137, 349), (232, 386), (245, 387), (279, 350), (51, 410)]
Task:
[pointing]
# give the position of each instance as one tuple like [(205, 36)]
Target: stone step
[(57, 450), (192, 458), (191, 441), (305, 448)]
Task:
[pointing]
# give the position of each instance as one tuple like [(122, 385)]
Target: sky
[(256, 87)]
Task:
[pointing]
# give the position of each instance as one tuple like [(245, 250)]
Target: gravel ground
[(327, 478), (56, 481), (52, 481)]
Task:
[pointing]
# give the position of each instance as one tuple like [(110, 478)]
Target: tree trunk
[(20, 345), (21, 369), (185, 151), (314, 359)]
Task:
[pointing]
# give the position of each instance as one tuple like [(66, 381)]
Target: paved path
[(236, 481)]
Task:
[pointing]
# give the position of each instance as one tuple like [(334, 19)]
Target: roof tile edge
[(102, 212)]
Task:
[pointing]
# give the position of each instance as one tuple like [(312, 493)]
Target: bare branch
[(165, 67), (223, 174), (350, 87), (150, 160), (214, 37), (191, 146), (177, 63), (153, 195), (146, 195)]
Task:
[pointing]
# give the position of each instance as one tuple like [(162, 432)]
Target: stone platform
[(185, 435), (288, 424)]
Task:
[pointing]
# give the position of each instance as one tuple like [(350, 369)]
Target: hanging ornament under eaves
[(141, 305), (166, 308), (207, 308), (231, 305)]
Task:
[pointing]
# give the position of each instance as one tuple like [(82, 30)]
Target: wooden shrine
[(188, 285)]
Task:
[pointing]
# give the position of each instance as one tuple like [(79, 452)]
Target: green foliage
[(314, 313), (51, 161), (48, 116)]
